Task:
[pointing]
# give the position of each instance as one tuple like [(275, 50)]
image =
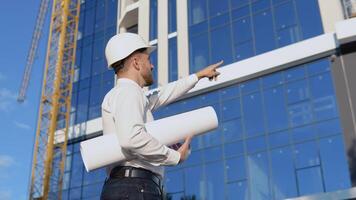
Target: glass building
[(285, 99)]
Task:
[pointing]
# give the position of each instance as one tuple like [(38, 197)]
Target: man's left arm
[(172, 91)]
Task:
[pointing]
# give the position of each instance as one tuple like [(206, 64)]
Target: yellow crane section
[(53, 119)]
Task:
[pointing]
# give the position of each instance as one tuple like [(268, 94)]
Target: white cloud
[(22, 125), (5, 194), (6, 161), (7, 99)]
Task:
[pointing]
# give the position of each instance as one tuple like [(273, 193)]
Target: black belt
[(126, 171)]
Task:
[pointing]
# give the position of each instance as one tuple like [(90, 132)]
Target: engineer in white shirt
[(125, 110)]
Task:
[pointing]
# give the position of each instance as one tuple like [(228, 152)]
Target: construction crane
[(33, 49), (53, 120)]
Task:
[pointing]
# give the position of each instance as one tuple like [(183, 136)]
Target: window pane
[(237, 190), (221, 48), (153, 19), (283, 175), (77, 171), (264, 34), (172, 59), (243, 51), (310, 21), (303, 133), (233, 149), (253, 114), (213, 154), (174, 181), (333, 160), (199, 52), (193, 182), (259, 176), (197, 11), (232, 130), (276, 112), (306, 155), (309, 181), (172, 16), (214, 180), (231, 109), (242, 30), (300, 114), (278, 139), (256, 144), (235, 168), (217, 7), (284, 15), (297, 91)]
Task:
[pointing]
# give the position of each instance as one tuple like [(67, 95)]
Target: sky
[(18, 121)]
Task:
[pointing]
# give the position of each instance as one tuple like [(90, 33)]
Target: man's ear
[(135, 63)]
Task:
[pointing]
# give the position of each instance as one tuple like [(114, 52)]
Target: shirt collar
[(127, 81)]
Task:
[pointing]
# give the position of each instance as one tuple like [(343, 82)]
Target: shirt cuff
[(173, 157), (193, 79)]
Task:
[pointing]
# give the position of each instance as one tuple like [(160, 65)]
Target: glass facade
[(279, 135), (249, 27)]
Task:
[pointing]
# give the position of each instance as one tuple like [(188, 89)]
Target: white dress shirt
[(125, 110)]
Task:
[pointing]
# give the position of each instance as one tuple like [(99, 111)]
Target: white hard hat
[(122, 45)]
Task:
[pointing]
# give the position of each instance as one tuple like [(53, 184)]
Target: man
[(125, 110)]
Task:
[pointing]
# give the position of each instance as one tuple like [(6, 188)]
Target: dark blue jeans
[(130, 189)]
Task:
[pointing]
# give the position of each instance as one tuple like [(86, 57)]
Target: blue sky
[(18, 121)]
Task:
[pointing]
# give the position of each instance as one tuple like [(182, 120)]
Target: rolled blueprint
[(105, 150)]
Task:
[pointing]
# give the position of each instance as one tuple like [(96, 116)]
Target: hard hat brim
[(149, 50)]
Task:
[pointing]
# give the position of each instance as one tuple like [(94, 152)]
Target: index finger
[(216, 65)]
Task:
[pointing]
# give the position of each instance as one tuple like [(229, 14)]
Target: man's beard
[(148, 80)]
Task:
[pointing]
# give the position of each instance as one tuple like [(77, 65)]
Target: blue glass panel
[(77, 170), (197, 143), (85, 67), (294, 73), (259, 5), (284, 15), (242, 30), (95, 97), (217, 7), (250, 86), (154, 62), (92, 190), (197, 11), (219, 21), (172, 59), (213, 154), (229, 92), (233, 149), (303, 133), (278, 139), (318, 67), (334, 164), (94, 176), (300, 114), (83, 84), (75, 194), (232, 130), (199, 52), (330, 127), (172, 16), (82, 108), (297, 91), (306, 155), (174, 181), (283, 175), (238, 3), (253, 114), (176, 196), (240, 12), (309, 181), (310, 21), (243, 51), (98, 50), (196, 157), (324, 102), (111, 6), (288, 36), (153, 19), (258, 176), (231, 109), (275, 107), (256, 144), (198, 28), (89, 22), (238, 190), (193, 182), (214, 181), (264, 34), (212, 138), (272, 80), (221, 48), (235, 169)]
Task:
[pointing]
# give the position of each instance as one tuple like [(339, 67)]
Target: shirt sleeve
[(172, 91), (132, 134)]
